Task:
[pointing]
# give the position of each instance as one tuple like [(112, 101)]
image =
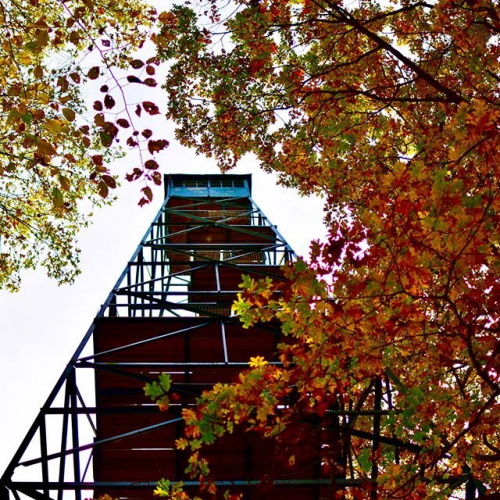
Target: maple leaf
[(257, 362)]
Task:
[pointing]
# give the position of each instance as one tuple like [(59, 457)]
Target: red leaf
[(111, 129), (147, 191), (75, 77), (134, 175), (109, 102), (156, 146), (151, 165), (150, 82), (123, 123), (97, 159), (138, 110), (133, 79), (150, 70), (109, 181), (93, 72), (99, 119), (103, 189), (156, 178), (147, 133), (98, 105), (137, 63), (151, 108)]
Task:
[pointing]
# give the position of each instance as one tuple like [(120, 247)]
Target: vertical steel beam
[(376, 435), (43, 452), (64, 439), (75, 434)]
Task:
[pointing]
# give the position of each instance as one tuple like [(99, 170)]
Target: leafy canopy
[(390, 111), (54, 152)]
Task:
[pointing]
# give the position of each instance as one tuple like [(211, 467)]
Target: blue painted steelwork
[(214, 186), (170, 311), (156, 283)]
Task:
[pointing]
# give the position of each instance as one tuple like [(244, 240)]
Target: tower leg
[(4, 493)]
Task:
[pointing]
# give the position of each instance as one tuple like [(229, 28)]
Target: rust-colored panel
[(113, 333), (135, 465), (127, 494), (229, 277), (242, 345), (218, 234), (111, 425), (231, 213)]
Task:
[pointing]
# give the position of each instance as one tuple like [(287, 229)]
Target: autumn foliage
[(390, 111), (56, 145)]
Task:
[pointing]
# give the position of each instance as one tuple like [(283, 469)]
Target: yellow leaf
[(24, 58), (45, 148), (64, 181), (257, 362), (43, 97), (262, 414), (54, 126), (181, 443), (38, 72)]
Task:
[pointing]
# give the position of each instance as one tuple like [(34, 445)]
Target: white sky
[(41, 326)]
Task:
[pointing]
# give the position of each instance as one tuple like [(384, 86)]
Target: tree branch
[(349, 19)]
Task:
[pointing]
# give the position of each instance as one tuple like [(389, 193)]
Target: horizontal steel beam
[(99, 442), (189, 484)]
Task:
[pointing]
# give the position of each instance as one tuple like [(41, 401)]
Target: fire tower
[(170, 311)]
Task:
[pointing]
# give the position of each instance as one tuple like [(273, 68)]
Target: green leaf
[(27, 118), (364, 459), (57, 197), (69, 114), (153, 390), (165, 381), (395, 379), (106, 139)]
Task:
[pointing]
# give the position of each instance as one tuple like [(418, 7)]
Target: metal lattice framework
[(170, 311)]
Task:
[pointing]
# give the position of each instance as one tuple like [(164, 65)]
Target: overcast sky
[(42, 325)]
